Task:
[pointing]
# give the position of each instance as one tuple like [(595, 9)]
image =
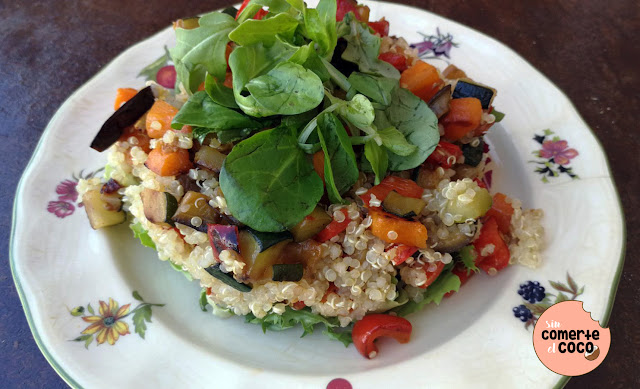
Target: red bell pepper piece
[(463, 274), (333, 228), (259, 15), (403, 252), (221, 238), (432, 275), (398, 61), (403, 186), (501, 211), (371, 327), (445, 154), (381, 27), (499, 258)]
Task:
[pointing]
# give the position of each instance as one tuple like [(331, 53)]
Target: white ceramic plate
[(471, 338)]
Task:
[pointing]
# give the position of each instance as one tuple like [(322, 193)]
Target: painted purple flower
[(559, 151), (67, 191), (423, 47), (61, 209), (438, 44), (444, 48)]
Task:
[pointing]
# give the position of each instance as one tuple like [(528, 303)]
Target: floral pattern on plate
[(109, 324), (68, 195), (435, 46), (554, 155)]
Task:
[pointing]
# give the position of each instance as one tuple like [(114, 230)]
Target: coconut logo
[(568, 341)]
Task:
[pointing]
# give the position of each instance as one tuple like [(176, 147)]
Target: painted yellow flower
[(107, 325)]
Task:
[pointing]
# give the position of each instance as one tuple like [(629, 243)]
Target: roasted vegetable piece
[(159, 207), (374, 326), (403, 252), (473, 154), (446, 155), (467, 88), (209, 158), (159, 118), (464, 116), (222, 238), (124, 117), (403, 186), (428, 177), (194, 211), (228, 279), (393, 229), (454, 241), (288, 272), (422, 80), (262, 263), (398, 61), (491, 259), (451, 72), (501, 211), (333, 228), (187, 23), (402, 206), (311, 225), (167, 163), (268, 239), (439, 103), (463, 274), (101, 210), (381, 27), (474, 209), (122, 96), (432, 274)]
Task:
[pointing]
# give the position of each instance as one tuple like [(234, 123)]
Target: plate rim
[(66, 376)]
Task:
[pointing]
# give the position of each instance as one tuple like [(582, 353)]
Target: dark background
[(588, 48)]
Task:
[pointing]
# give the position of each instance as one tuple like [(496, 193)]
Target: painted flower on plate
[(61, 209), (558, 150), (67, 190), (108, 324)]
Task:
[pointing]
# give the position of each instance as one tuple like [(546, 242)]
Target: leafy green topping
[(151, 71), (265, 31), (468, 257), (201, 50), (307, 319), (179, 269), (378, 158), (142, 234), (203, 300), (219, 93), (268, 182), (378, 89), (499, 115), (445, 283), (395, 142), (413, 119), (320, 25), (340, 166)]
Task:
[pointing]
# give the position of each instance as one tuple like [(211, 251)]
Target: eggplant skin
[(124, 117)]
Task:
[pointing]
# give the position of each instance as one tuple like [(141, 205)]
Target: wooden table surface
[(588, 48)]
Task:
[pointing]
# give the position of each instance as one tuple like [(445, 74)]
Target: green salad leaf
[(305, 318), (151, 71), (287, 89), (395, 142), (377, 88), (142, 234), (202, 49), (268, 182), (275, 6), (363, 49), (445, 283), (468, 257), (340, 166), (219, 93), (265, 30), (320, 26), (378, 159), (358, 111), (412, 118), (179, 269)]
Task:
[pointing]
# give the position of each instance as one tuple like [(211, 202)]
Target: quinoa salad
[(307, 169)]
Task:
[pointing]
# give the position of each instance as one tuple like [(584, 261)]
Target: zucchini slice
[(288, 272), (403, 206), (159, 207), (227, 278), (477, 208), (473, 155), (439, 103), (192, 205), (262, 263), (467, 88), (100, 212), (209, 158), (264, 240), (311, 225)]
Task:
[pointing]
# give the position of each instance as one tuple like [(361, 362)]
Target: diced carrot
[(464, 116), (318, 163), (393, 229), (168, 163), (403, 186), (422, 79), (122, 96), (501, 211), (159, 118)]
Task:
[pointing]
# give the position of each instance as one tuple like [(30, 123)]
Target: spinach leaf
[(225, 136), (378, 158), (287, 89), (413, 118), (219, 93), (395, 142), (201, 50), (340, 166), (363, 49), (378, 89), (268, 182), (445, 283), (307, 319), (201, 111), (265, 30)]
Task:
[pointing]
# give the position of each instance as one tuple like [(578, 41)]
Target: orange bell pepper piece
[(464, 116), (393, 229)]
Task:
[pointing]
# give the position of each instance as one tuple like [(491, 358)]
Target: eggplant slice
[(124, 117)]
